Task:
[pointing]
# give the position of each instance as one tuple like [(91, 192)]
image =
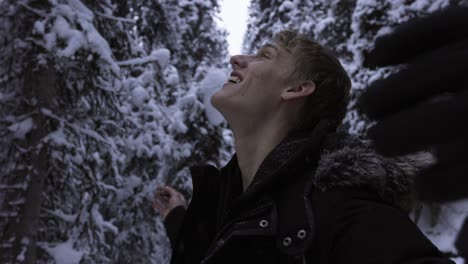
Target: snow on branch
[(100, 222), (90, 133), (121, 19), (63, 252), (161, 56), (79, 130), (20, 186), (137, 61), (71, 23), (65, 217)]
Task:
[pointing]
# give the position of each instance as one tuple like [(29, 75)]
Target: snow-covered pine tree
[(58, 113), (162, 97), (194, 45), (349, 29), (94, 113)]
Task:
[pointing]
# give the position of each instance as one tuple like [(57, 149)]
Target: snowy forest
[(102, 101)]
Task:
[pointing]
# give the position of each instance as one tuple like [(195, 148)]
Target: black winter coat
[(316, 198)]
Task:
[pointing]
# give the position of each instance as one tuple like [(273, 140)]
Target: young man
[(296, 191)]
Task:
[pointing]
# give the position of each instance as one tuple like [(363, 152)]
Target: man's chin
[(217, 100), (222, 103)]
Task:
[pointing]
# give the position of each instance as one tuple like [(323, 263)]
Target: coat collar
[(289, 156), (347, 162), (341, 160)]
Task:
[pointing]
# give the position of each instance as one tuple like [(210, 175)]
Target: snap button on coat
[(287, 241), (264, 223), (301, 234)]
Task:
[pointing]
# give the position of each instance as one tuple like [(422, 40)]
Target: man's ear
[(299, 90)]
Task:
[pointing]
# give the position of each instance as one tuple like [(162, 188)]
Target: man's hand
[(166, 199), (425, 104)]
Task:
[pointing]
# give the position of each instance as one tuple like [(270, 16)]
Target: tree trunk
[(41, 86)]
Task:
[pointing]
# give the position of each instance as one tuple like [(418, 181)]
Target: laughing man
[(296, 190)]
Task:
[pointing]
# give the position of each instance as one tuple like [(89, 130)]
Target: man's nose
[(239, 61)]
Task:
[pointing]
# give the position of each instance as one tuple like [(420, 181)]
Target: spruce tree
[(98, 107)]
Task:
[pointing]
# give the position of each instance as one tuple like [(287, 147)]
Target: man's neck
[(252, 148)]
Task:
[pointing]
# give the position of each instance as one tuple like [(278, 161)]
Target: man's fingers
[(421, 126), (171, 191), (159, 205), (181, 197), (435, 73), (419, 36), (456, 148), (167, 198), (163, 193), (159, 191), (443, 182), (447, 180)]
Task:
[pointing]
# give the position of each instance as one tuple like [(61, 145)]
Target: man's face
[(255, 86)]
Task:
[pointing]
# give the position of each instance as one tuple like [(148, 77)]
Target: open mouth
[(234, 79)]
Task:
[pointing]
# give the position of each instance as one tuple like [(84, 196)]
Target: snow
[(178, 124), (187, 150), (75, 39), (322, 24), (162, 56), (64, 253), (213, 81), (437, 5), (139, 96), (100, 46), (90, 133), (68, 18), (121, 19), (286, 6), (24, 243), (77, 159), (146, 79), (138, 145), (171, 75), (100, 222), (419, 4), (443, 234), (57, 138), (70, 218), (4, 97), (188, 99), (50, 40), (39, 27), (22, 128)]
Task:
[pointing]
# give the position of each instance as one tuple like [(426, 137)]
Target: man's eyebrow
[(269, 45)]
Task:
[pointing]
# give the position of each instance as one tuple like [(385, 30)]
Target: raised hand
[(167, 198), (425, 105)]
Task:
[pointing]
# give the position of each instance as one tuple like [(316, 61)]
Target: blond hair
[(315, 63)]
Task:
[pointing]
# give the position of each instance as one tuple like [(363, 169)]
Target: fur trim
[(348, 162)]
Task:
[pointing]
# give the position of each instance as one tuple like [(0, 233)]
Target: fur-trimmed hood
[(337, 159), (347, 161)]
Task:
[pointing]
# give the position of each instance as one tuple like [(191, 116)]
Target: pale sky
[(234, 19)]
